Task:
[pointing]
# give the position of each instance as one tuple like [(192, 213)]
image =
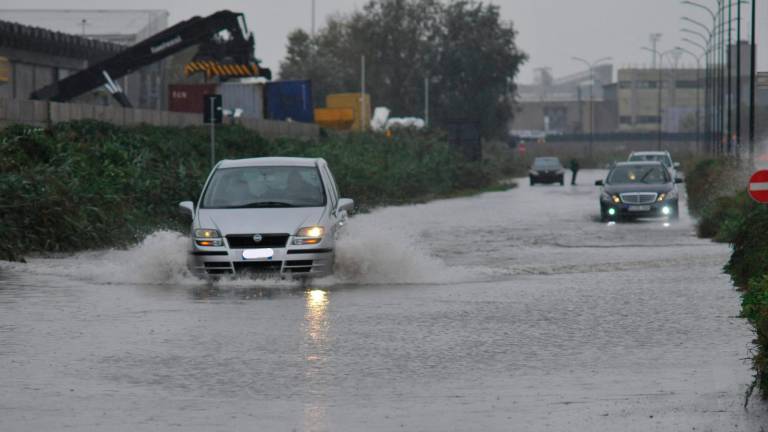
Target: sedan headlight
[(611, 198), (667, 195), (208, 237), (309, 235)]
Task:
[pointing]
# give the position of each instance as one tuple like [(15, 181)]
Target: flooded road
[(508, 311)]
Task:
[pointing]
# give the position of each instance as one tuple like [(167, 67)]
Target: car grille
[(638, 197), (244, 241), (298, 266)]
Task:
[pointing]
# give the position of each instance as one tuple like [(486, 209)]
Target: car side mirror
[(676, 165), (345, 204), (599, 183), (187, 208), (678, 180)]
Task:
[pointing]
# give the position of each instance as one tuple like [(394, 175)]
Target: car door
[(338, 217)]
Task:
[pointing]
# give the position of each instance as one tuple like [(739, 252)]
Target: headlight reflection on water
[(315, 350)]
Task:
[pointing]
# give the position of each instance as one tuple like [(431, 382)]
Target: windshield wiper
[(260, 204)]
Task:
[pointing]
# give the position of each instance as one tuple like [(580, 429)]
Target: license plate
[(258, 253), (639, 208)]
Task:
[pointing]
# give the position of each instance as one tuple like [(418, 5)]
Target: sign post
[(758, 186), (212, 114)]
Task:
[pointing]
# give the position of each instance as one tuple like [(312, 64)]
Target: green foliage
[(464, 47), (89, 184), (755, 308)]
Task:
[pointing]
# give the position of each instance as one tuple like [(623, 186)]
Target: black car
[(638, 189), (547, 170)]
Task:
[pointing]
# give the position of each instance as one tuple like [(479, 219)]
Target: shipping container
[(248, 97), (289, 100), (353, 102), (335, 118), (188, 97)]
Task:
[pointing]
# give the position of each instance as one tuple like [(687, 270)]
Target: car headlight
[(208, 237), (667, 195), (309, 235), (611, 198)]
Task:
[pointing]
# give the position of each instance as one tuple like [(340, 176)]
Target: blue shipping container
[(290, 100)]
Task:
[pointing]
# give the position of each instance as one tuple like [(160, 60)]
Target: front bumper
[(294, 262), (655, 209), (547, 177)]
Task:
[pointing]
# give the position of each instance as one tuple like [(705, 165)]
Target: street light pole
[(591, 67), (698, 92), (752, 88)]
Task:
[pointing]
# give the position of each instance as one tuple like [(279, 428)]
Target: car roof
[(649, 153), (635, 163), (269, 161)]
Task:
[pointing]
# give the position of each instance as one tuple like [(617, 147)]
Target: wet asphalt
[(507, 311)]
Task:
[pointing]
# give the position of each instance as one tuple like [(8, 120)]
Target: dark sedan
[(638, 189), (547, 170)]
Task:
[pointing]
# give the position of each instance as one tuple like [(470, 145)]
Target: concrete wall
[(39, 113)]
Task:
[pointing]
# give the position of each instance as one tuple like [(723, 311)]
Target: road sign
[(758, 186), (212, 108)]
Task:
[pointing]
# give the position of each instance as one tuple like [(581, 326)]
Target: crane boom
[(205, 31)]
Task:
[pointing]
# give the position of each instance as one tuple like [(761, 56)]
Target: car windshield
[(265, 186), (546, 163), (642, 174), (665, 159)]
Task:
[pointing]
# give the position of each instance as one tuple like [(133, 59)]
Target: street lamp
[(591, 67), (659, 85), (698, 90)]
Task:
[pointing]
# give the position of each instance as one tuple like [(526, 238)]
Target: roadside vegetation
[(717, 196), (88, 184)]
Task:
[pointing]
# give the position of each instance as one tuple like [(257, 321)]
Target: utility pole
[(752, 89), (591, 67), (738, 78), (363, 114), (729, 148), (654, 41), (426, 101), (313, 18)]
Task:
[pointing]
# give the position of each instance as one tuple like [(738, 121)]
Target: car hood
[(259, 220), (622, 188)]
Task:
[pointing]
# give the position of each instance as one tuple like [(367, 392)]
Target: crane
[(226, 49)]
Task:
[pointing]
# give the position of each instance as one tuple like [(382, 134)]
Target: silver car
[(266, 216)]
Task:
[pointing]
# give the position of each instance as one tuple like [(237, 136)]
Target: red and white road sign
[(758, 186)]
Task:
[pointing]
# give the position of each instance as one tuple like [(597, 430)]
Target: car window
[(265, 186), (641, 174), (546, 163), (666, 160)]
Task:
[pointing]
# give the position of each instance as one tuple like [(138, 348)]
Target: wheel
[(675, 212), (603, 214)]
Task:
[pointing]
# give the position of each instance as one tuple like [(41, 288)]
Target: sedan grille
[(638, 197), (246, 241)]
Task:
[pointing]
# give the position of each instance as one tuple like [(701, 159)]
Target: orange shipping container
[(352, 101), (336, 118)]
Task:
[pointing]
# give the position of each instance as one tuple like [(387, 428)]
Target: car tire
[(603, 213)]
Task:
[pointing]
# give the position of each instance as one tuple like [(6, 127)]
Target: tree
[(464, 48)]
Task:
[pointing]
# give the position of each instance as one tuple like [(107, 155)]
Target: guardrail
[(42, 113)]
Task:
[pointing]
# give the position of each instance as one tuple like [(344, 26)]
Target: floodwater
[(508, 311)]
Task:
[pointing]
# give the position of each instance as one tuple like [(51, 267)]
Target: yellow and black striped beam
[(212, 69)]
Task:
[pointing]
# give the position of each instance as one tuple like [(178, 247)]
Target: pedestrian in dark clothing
[(574, 170)]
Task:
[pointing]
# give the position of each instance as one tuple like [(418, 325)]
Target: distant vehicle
[(547, 170), (638, 189), (273, 216), (661, 156)]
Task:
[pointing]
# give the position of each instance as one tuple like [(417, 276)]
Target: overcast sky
[(550, 31)]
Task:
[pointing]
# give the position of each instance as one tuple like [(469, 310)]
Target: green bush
[(755, 309), (90, 184)]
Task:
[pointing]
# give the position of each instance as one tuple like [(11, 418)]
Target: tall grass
[(90, 184)]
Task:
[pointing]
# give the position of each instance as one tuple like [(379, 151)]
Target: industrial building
[(98, 33)]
